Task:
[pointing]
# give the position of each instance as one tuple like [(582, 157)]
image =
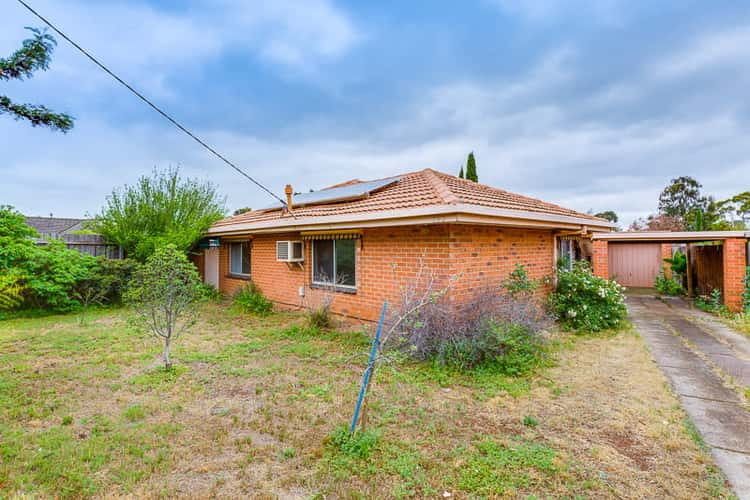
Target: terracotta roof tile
[(416, 189)]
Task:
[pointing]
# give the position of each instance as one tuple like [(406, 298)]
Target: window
[(239, 258), (334, 261)]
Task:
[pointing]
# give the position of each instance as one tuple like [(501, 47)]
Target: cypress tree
[(461, 172), (471, 168)]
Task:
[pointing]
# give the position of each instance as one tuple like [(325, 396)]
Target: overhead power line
[(151, 104)]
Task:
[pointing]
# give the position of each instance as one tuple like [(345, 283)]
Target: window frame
[(249, 259), (321, 284)]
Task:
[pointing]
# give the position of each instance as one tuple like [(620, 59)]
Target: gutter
[(672, 235), (443, 214)]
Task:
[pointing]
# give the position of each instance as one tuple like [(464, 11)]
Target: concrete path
[(698, 355)]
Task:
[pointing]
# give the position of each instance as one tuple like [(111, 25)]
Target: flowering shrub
[(586, 302)]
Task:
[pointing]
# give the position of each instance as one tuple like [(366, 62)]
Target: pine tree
[(35, 54), (461, 172), (471, 168)]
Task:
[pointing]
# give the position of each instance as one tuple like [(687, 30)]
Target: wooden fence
[(92, 244), (707, 267)]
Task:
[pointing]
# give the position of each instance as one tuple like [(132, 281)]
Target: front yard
[(253, 407)]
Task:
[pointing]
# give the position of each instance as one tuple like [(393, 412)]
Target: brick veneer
[(735, 263), (666, 253), (600, 259), (389, 258)]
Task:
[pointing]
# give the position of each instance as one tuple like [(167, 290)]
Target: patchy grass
[(259, 407)]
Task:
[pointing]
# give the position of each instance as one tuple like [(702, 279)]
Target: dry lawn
[(255, 407)]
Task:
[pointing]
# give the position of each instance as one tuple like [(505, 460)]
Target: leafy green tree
[(163, 293), (471, 168), (610, 215), (242, 210), (35, 54), (461, 173), (711, 216), (681, 197), (157, 210)]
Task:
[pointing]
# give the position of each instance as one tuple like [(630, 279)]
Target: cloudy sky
[(592, 107)]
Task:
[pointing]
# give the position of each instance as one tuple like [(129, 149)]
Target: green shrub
[(505, 347), (746, 292), (668, 286), (10, 292), (43, 276), (678, 263), (585, 302), (51, 275), (210, 293), (519, 283), (250, 299)]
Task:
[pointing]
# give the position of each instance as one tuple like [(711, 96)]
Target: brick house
[(374, 236)]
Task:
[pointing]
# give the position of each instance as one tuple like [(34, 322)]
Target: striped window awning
[(349, 234)]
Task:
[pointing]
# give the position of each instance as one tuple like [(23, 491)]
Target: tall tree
[(610, 215), (471, 168), (681, 197), (35, 54), (461, 172), (157, 210)]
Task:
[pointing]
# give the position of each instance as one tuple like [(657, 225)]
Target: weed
[(694, 434), (493, 469), (250, 299), (530, 421), (289, 453), (158, 377), (67, 420), (358, 445), (134, 413)]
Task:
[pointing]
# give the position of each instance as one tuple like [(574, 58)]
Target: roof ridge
[(510, 193), (440, 187)]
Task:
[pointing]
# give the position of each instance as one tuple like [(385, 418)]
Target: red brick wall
[(735, 262), (486, 255), (389, 258), (666, 253), (600, 259)]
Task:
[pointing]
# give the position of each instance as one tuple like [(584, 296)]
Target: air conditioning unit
[(290, 251)]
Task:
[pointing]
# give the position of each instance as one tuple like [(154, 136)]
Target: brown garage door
[(634, 264)]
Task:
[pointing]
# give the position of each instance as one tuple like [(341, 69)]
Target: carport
[(716, 259)]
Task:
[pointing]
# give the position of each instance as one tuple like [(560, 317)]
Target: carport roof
[(671, 235)]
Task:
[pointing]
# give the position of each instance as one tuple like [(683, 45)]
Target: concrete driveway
[(707, 364)]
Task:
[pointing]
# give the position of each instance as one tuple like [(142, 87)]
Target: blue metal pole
[(368, 370)]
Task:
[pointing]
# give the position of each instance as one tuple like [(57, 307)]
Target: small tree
[(471, 168), (34, 54), (461, 173), (163, 292)]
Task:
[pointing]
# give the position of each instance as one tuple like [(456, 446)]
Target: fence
[(92, 244), (707, 266)]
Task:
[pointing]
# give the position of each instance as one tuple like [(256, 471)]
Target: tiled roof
[(54, 225), (424, 188)]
